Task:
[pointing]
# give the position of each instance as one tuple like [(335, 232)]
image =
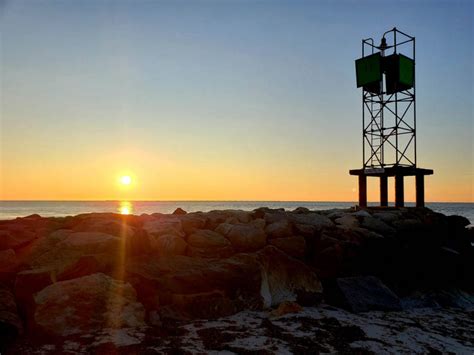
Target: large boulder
[(87, 265), (20, 232), (301, 210), (10, 322), (185, 287), (316, 220), (351, 237), (179, 212), (377, 226), (208, 244), (127, 228), (458, 222), (90, 242), (73, 222), (162, 226), (361, 214), (243, 237), (216, 217), (8, 264), (137, 244), (362, 294), (87, 304), (105, 224), (207, 239), (336, 213), (387, 217), (258, 223), (193, 222), (73, 246), (14, 236), (366, 234), (187, 275), (293, 246), (287, 279), (168, 244), (124, 227), (271, 216), (189, 287), (239, 215), (28, 282), (408, 225), (329, 260), (348, 221), (7, 257), (306, 230), (44, 244), (279, 229), (210, 253)]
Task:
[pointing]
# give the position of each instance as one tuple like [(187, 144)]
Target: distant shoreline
[(14, 209)]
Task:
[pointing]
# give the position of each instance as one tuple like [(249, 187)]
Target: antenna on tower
[(386, 74)]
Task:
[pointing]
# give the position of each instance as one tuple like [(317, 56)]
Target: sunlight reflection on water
[(125, 207)]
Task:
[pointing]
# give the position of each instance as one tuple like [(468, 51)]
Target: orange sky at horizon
[(160, 178)]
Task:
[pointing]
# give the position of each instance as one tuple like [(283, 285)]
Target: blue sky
[(266, 85)]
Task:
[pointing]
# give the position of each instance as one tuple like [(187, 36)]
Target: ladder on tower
[(376, 137)]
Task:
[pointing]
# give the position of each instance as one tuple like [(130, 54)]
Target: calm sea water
[(13, 209)]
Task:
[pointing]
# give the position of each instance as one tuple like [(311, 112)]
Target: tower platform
[(399, 172)]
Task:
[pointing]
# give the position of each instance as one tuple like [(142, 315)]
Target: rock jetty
[(109, 280)]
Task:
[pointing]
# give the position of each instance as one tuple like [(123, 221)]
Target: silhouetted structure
[(387, 77)]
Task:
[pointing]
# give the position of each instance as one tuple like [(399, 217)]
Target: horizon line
[(191, 200)]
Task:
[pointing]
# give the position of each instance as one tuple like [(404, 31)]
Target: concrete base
[(399, 173)]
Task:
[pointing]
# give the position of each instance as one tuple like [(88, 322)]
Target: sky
[(220, 100)]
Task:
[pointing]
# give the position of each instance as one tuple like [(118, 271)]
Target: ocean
[(13, 209)]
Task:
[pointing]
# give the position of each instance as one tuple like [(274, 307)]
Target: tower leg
[(420, 190), (399, 191), (362, 190), (383, 191)]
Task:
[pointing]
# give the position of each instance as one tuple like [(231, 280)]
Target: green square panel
[(368, 70), (406, 71)]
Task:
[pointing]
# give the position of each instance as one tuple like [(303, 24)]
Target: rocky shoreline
[(259, 281)]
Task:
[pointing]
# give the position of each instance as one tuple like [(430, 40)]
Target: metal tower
[(386, 73), (389, 106)]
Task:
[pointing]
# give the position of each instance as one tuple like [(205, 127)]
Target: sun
[(125, 180)]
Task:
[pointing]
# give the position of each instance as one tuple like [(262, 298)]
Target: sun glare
[(125, 180)]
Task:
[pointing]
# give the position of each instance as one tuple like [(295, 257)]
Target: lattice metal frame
[(389, 120)]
